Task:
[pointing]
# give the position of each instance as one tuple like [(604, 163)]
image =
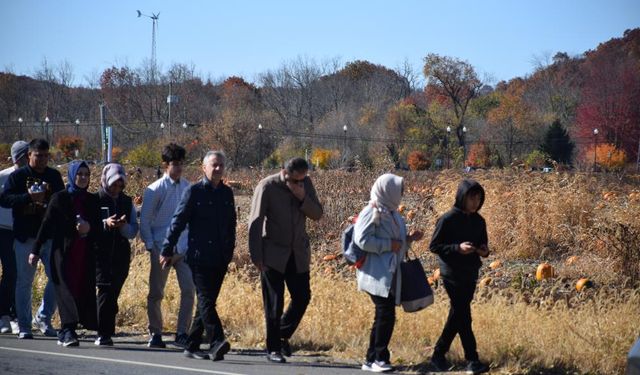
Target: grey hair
[(217, 153)]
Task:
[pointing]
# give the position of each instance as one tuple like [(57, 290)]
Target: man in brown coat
[(279, 247)]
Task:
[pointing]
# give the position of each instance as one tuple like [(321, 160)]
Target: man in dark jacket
[(279, 247), (460, 239), (208, 208), (27, 192)]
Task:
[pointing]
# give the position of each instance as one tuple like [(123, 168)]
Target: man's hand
[(466, 248), (33, 260), (415, 235), (483, 251), (297, 188), (165, 261), (37, 197)]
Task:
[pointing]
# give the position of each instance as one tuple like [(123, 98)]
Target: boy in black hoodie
[(460, 239)]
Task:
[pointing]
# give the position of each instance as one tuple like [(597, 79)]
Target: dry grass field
[(583, 225)]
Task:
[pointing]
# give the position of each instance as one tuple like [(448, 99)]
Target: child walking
[(459, 240)]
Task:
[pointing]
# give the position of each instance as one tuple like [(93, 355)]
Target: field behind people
[(583, 225)]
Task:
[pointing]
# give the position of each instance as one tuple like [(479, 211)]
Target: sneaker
[(15, 328), (219, 349), (44, 327), (25, 335), (381, 366), (285, 348), (181, 340), (276, 357), (366, 366), (440, 363), (103, 341), (156, 341), (5, 324), (68, 338), (476, 367), (196, 354)]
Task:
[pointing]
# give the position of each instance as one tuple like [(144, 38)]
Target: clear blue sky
[(245, 38)]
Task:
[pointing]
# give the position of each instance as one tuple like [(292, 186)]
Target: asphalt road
[(130, 356)]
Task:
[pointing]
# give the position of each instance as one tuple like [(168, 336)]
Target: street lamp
[(162, 125), (184, 125), (77, 127), (344, 129), (20, 127), (46, 128), (595, 147), (260, 144), (446, 144), (464, 146)]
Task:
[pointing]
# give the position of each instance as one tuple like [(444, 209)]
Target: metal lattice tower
[(154, 17)]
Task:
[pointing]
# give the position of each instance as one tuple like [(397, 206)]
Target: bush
[(145, 155), (417, 161), (68, 146), (536, 159), (322, 157), (5, 152)]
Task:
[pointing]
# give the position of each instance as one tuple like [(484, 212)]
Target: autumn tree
[(557, 144)]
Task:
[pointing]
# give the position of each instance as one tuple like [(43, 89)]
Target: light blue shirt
[(159, 203)]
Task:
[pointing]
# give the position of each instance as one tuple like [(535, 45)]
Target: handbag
[(415, 294)]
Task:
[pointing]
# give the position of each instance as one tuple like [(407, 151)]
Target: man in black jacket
[(208, 208), (27, 192)]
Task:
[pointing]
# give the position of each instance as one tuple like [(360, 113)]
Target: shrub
[(68, 146), (5, 151), (536, 159), (145, 155), (322, 157), (417, 161), (479, 156)]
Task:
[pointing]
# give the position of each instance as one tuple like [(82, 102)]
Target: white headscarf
[(386, 192)]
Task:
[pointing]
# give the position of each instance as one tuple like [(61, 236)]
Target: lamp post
[(46, 128), (260, 144), (184, 125), (595, 147), (446, 144), (344, 149), (464, 147), (20, 127), (77, 127)]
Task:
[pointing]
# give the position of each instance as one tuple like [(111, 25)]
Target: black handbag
[(416, 293)]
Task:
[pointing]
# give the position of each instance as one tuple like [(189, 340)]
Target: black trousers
[(9, 273), (108, 294), (459, 320), (281, 325), (382, 329), (208, 281)]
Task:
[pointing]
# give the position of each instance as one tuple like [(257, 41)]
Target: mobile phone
[(105, 212)]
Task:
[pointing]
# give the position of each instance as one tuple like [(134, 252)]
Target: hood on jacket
[(465, 187)]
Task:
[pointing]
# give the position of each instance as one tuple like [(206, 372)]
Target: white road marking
[(123, 361)]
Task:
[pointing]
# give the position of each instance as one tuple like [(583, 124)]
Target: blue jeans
[(24, 284)]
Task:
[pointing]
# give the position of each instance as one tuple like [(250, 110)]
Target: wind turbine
[(154, 17)]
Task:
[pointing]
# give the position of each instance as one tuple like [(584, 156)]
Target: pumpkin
[(544, 271), (583, 284), (495, 264), (436, 274), (329, 257), (485, 282), (401, 208), (411, 214)]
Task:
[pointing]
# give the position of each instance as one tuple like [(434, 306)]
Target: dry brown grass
[(522, 326)]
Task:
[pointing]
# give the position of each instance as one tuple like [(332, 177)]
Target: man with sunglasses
[(279, 247)]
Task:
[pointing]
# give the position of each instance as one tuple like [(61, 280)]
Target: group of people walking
[(82, 238)]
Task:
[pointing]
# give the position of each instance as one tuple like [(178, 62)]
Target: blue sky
[(245, 38)]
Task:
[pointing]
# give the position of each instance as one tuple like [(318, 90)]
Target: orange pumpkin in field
[(583, 284), (329, 257), (495, 264), (544, 271), (485, 282)]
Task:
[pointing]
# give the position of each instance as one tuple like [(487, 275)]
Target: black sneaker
[(195, 354), (156, 341), (103, 341), (181, 340), (219, 349), (476, 367), (68, 338), (440, 363), (276, 357), (285, 348)]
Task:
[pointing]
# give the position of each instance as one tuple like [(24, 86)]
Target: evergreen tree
[(557, 143)]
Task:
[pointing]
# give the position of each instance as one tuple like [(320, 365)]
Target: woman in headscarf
[(72, 220), (114, 254), (381, 232)]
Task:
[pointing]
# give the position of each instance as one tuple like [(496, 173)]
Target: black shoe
[(181, 340), (68, 338), (156, 341), (285, 348), (276, 357), (103, 341), (440, 363), (476, 367), (196, 354), (219, 349)]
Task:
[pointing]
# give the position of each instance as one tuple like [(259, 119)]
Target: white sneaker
[(15, 328), (381, 366), (366, 366), (5, 324), (44, 327)]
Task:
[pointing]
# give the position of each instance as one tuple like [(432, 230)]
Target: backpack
[(352, 254)]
